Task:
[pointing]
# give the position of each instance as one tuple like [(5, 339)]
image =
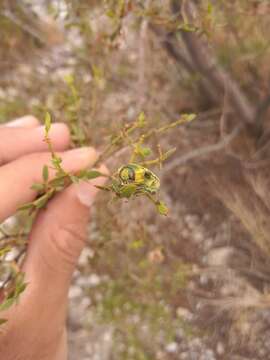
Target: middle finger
[(16, 142)]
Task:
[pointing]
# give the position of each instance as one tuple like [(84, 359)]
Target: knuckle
[(37, 158), (31, 117), (3, 159), (66, 243), (35, 162)]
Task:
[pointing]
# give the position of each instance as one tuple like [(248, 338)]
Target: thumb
[(37, 323), (57, 239)]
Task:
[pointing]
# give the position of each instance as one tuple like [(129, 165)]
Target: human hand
[(36, 325)]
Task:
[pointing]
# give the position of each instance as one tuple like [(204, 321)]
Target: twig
[(224, 121), (25, 27), (261, 109), (166, 40), (203, 151), (142, 81)]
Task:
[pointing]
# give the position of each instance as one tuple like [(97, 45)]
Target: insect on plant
[(144, 179), (133, 180)]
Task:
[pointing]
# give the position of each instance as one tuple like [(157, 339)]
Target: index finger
[(17, 177)]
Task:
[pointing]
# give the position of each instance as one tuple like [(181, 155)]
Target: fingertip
[(86, 192), (59, 135), (104, 170), (27, 121), (79, 158)]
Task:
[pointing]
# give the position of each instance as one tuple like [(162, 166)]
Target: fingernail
[(86, 191), (55, 128), (80, 158), (88, 154), (25, 121), (59, 135)]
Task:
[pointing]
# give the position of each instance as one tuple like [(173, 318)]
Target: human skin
[(36, 327)]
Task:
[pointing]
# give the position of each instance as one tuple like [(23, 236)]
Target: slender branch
[(203, 151), (262, 109), (142, 81), (166, 40), (24, 26)]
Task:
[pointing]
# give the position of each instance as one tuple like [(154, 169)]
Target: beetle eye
[(147, 175), (131, 174)]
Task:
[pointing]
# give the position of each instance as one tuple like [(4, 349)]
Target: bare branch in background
[(203, 151), (173, 50), (224, 127), (25, 27), (205, 63), (167, 41), (142, 81)]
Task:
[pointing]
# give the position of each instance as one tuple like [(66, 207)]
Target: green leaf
[(45, 173), (56, 161), (69, 79), (144, 151), (6, 304), (5, 250), (74, 179), (20, 285), (162, 208), (13, 297), (209, 8), (136, 244), (105, 188), (111, 14), (48, 122), (42, 201), (187, 27), (38, 187), (92, 174), (3, 321), (168, 154), (58, 181), (141, 120), (188, 117), (97, 72), (26, 206)]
